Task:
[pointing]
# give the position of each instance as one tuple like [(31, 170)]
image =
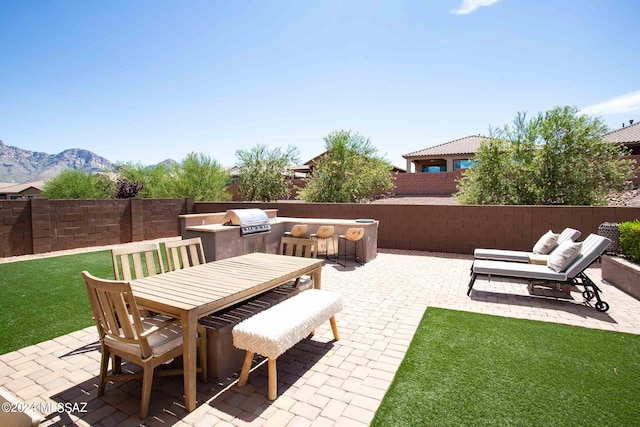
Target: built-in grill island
[(240, 231), (251, 221), (254, 224)]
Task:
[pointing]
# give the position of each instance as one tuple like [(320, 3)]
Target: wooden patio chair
[(136, 262), (147, 342), (184, 253), (305, 248)]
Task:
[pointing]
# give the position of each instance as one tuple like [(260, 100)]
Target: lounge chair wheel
[(602, 306), (588, 295)]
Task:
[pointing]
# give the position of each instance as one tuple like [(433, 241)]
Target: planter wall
[(623, 274)]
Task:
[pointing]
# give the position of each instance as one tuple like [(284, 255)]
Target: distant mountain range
[(18, 165)]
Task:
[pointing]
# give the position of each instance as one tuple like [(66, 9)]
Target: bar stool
[(353, 235), (325, 232), (298, 231)]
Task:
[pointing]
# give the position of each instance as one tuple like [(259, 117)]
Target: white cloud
[(469, 6), (622, 104)]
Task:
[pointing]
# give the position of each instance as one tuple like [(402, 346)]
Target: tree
[(75, 184), (264, 173), (558, 157), (351, 171), (200, 177), (152, 179)]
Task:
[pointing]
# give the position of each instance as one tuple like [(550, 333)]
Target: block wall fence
[(426, 184), (41, 225)]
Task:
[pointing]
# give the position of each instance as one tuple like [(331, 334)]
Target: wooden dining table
[(194, 292)]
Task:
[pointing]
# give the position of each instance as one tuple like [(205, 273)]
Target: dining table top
[(215, 285)]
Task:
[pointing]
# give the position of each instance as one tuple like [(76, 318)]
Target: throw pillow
[(546, 243), (564, 255)]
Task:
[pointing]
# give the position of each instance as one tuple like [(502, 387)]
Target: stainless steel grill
[(251, 221)]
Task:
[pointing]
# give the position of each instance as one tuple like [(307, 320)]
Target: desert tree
[(558, 157), (265, 174), (351, 171), (197, 176), (76, 184)]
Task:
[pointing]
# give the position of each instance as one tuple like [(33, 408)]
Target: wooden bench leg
[(334, 328), (246, 367), (273, 379)]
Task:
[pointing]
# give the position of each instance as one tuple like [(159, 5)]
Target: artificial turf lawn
[(45, 298), (472, 369)]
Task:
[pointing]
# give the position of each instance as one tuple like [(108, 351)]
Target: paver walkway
[(322, 383)]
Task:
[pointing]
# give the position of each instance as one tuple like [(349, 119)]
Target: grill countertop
[(214, 228)]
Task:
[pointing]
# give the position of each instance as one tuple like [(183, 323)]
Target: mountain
[(168, 163), (18, 165)]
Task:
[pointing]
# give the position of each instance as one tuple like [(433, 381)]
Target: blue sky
[(150, 80)]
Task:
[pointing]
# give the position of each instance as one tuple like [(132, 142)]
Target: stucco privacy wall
[(455, 229)]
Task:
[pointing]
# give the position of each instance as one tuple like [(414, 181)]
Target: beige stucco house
[(27, 190), (448, 157)]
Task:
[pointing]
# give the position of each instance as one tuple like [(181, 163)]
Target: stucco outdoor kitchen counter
[(224, 241)]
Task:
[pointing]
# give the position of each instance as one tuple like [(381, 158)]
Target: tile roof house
[(308, 166), (629, 136), (27, 190), (448, 157)]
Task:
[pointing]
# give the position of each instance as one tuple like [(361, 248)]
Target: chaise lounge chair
[(573, 274), (523, 256)]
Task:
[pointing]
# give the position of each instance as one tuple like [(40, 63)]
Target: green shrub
[(630, 240)]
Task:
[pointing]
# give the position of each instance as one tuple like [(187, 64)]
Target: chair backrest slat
[(193, 253), (184, 253), (128, 262), (137, 265), (292, 246), (151, 264)]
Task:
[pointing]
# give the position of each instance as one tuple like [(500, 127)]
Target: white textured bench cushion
[(277, 329)]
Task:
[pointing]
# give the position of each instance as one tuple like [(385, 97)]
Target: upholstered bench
[(275, 330)]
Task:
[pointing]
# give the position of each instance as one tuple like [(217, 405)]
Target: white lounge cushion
[(277, 329), (501, 255), (522, 256), (521, 270), (546, 243), (561, 258), (568, 234)]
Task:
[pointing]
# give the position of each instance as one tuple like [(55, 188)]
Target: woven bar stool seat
[(325, 233), (298, 231)]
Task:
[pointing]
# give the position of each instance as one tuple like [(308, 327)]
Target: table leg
[(316, 276), (189, 330)]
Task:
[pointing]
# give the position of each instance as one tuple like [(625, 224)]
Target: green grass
[(45, 298), (472, 369)]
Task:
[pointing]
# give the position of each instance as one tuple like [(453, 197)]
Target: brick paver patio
[(321, 383)]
